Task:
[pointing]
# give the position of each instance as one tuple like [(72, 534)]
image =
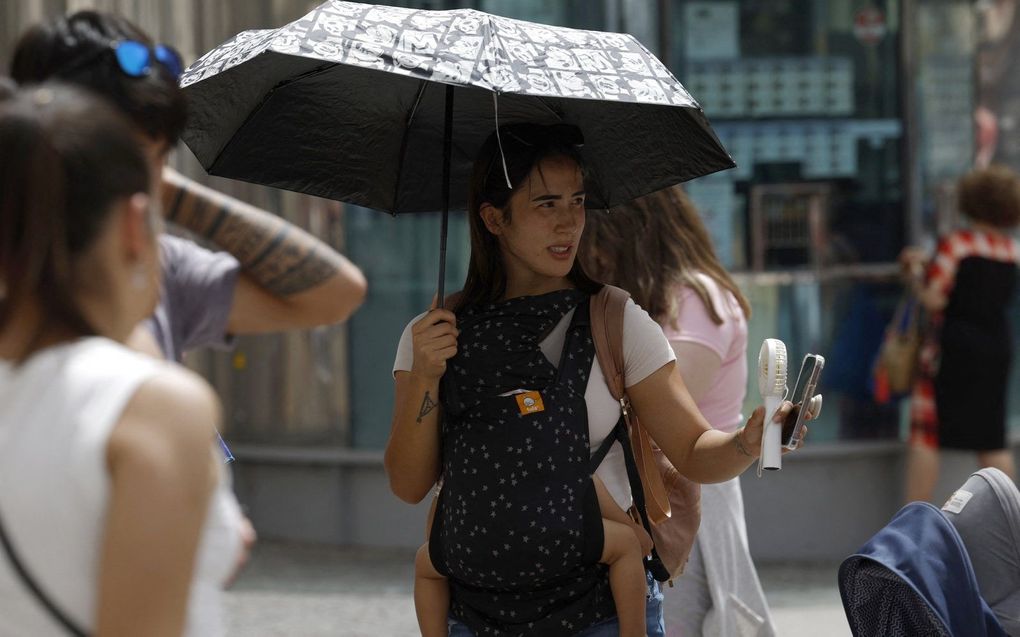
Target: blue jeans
[(656, 626)]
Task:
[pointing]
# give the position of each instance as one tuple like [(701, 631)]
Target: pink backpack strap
[(607, 311)]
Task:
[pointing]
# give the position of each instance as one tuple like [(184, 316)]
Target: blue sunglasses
[(137, 59)]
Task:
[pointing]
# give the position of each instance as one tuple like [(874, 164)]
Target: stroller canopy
[(986, 513), (914, 578)]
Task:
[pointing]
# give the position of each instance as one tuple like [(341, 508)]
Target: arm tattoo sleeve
[(277, 255)]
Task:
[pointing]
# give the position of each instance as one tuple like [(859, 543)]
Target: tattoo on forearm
[(427, 405), (172, 202), (306, 273), (282, 258), (740, 446)]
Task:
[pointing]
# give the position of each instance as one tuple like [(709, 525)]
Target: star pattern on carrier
[(512, 529)]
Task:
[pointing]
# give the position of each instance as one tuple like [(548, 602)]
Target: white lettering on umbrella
[(593, 61), (419, 42)]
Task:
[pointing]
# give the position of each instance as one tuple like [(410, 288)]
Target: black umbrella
[(386, 107)]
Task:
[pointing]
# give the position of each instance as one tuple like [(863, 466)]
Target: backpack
[(668, 503)]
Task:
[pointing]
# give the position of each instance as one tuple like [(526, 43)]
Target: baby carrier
[(517, 529)]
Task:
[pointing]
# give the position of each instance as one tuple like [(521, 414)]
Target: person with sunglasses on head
[(500, 401), (115, 514), (270, 275)]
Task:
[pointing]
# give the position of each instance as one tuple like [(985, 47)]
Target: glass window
[(800, 92), (579, 14), (400, 257), (805, 94), (945, 108)]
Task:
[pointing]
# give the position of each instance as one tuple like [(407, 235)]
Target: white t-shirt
[(57, 411), (645, 350)]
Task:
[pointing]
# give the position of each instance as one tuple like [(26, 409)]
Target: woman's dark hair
[(991, 195), (67, 157), (522, 147), (56, 49), (652, 245), (7, 87)]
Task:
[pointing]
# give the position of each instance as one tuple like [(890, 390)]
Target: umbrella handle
[(447, 152)]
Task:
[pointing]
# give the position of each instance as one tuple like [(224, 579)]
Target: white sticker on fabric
[(957, 501)]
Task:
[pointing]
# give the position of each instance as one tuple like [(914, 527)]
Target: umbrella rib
[(403, 143)]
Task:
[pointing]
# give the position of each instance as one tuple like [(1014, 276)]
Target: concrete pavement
[(298, 590)]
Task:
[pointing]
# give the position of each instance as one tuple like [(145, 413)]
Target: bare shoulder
[(173, 414)]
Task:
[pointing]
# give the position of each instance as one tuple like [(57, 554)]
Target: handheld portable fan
[(772, 371)]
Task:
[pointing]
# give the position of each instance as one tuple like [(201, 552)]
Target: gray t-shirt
[(195, 299)]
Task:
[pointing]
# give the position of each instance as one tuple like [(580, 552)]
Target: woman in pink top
[(659, 251)]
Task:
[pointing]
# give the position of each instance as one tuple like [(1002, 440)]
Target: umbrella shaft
[(447, 152)]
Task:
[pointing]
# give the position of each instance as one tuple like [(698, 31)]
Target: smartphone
[(803, 391)]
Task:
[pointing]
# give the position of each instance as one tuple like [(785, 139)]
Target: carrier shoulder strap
[(30, 583), (607, 312)]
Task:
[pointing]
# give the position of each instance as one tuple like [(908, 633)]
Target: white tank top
[(56, 414)]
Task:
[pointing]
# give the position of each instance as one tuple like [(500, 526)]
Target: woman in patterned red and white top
[(959, 397)]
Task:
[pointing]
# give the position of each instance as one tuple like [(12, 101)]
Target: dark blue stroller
[(914, 578)]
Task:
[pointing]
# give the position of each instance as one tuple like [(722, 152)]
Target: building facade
[(849, 121)]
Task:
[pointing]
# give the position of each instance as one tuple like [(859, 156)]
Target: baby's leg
[(622, 553), (612, 511), (431, 596)]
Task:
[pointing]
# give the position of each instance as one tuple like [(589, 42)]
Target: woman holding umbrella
[(482, 406)]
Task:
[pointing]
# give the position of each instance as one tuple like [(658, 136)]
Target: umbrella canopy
[(353, 102)]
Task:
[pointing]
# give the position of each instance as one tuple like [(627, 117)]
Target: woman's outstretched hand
[(749, 438)]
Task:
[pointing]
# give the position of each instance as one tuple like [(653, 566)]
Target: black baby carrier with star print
[(517, 530)]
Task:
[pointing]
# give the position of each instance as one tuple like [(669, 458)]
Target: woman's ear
[(492, 217), (137, 226)]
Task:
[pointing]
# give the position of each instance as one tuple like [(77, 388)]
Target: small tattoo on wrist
[(427, 405), (740, 445)]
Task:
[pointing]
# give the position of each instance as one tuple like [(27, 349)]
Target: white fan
[(772, 371)]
